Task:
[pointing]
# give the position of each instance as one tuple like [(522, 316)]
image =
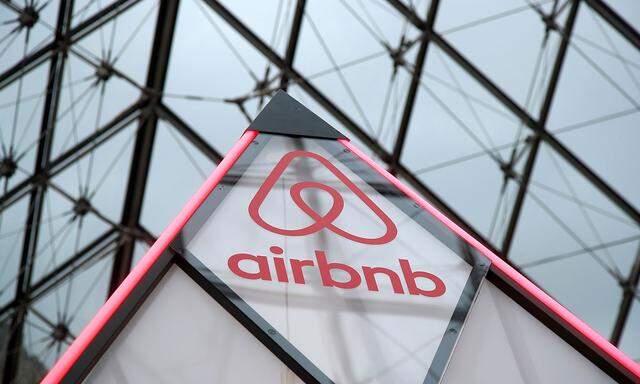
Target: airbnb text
[(260, 267)]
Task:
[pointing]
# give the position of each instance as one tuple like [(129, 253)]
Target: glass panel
[(63, 233), (270, 20), (95, 89), (375, 291), (213, 83), (504, 342), (59, 316), (181, 335), (385, 136), (629, 10), (100, 177), (84, 9), (124, 42), (595, 111), (460, 139), (360, 56), (167, 195), (502, 29), (59, 313), (83, 201), (139, 250), (568, 228), (26, 28), (12, 227), (21, 106)]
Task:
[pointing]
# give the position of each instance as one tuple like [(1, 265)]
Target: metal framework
[(119, 240)]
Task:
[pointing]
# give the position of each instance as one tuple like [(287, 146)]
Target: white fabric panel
[(502, 343), (181, 335)]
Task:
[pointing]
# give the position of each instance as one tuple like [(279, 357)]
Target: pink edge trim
[(71, 355), (598, 341)]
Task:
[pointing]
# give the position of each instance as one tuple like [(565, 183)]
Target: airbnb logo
[(401, 277), (320, 221)]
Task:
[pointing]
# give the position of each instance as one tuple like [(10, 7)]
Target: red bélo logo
[(320, 221)]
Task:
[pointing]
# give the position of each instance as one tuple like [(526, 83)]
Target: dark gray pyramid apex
[(284, 115)]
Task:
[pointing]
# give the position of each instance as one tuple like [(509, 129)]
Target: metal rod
[(616, 21), (535, 144), (37, 199), (413, 88), (188, 133), (141, 160), (294, 36)]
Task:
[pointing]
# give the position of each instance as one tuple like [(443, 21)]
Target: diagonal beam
[(99, 19), (98, 137), (294, 37), (481, 78), (415, 83), (535, 143), (188, 133), (594, 178), (26, 64), (140, 163), (616, 21), (37, 197)]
